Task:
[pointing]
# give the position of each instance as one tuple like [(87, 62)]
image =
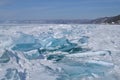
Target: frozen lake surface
[(59, 52)]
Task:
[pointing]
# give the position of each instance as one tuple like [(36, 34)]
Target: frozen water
[(33, 54), (61, 44), (84, 39), (13, 74), (5, 57), (59, 52), (25, 43)]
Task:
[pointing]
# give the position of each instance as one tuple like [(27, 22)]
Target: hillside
[(107, 20)]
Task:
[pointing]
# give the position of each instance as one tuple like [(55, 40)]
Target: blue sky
[(58, 9)]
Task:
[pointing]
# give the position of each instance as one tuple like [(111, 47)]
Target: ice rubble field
[(59, 52)]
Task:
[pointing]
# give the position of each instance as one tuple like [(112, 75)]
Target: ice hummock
[(60, 52)]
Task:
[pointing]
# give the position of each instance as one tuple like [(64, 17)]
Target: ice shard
[(33, 55), (26, 43), (5, 57)]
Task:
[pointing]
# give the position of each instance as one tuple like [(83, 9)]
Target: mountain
[(107, 20)]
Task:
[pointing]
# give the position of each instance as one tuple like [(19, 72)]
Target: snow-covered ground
[(59, 52)]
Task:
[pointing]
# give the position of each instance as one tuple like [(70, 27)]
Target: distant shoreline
[(104, 20)]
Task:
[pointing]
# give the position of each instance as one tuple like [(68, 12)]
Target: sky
[(57, 9)]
